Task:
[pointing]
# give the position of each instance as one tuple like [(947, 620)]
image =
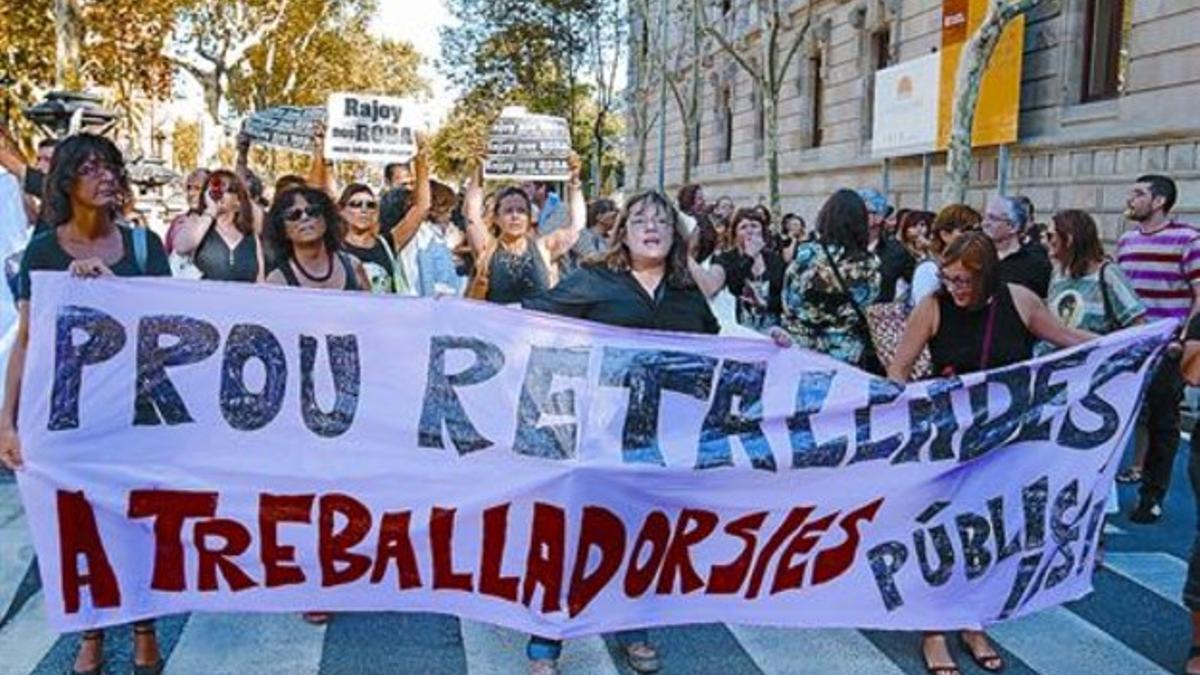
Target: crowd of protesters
[(904, 294)]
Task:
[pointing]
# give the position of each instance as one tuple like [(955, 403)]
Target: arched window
[(726, 124)]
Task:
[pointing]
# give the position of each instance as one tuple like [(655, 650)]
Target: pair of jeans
[(1160, 414), (544, 648), (1191, 589)]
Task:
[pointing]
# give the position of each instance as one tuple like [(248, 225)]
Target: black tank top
[(217, 262), (957, 347), (513, 278), (348, 267)]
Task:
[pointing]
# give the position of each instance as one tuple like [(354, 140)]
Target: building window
[(816, 100), (726, 6), (880, 55), (1102, 44), (726, 124), (695, 131)]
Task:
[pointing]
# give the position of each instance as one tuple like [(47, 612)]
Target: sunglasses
[(94, 168), (955, 282), (298, 214), (369, 204)]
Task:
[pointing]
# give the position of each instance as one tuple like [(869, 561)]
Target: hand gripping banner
[(235, 448)]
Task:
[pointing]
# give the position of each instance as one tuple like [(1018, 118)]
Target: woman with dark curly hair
[(84, 236), (304, 228)]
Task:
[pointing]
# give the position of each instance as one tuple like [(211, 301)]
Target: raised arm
[(477, 232), (10, 156), (561, 240), (318, 172), (710, 280), (193, 227), (422, 198)]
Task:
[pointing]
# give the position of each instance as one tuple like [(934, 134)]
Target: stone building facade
[(1110, 89)]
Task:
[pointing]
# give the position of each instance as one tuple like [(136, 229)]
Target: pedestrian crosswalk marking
[(1161, 573), (492, 650), (247, 643), (16, 546), (26, 638), (832, 651), (1056, 641)]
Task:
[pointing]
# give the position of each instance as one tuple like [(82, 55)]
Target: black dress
[(45, 253), (347, 266), (513, 278), (958, 346), (738, 273), (217, 262), (602, 295)]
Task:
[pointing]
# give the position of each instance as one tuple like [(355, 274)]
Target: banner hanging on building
[(273, 449), (999, 106), (370, 128)]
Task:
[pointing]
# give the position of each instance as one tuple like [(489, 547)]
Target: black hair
[(351, 190), (843, 221), (391, 168), (69, 155), (393, 204), (276, 225), (599, 208), (1160, 186), (47, 143)]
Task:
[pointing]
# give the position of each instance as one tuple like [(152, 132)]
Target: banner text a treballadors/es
[(268, 449)]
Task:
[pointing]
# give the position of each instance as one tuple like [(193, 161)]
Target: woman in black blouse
[(642, 282), (83, 236), (224, 241)]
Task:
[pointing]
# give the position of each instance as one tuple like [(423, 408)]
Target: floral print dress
[(815, 310)]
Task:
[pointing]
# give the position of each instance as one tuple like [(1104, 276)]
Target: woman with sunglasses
[(949, 224), (512, 262), (304, 227), (83, 236), (223, 240), (975, 323)]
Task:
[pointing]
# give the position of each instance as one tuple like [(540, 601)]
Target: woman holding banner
[(85, 237), (643, 281), (304, 226), (975, 323), (512, 262)]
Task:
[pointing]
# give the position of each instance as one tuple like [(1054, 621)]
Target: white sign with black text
[(370, 128), (523, 146)]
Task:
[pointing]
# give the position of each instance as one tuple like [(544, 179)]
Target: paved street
[(1133, 624)]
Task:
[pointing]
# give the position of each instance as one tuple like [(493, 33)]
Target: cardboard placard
[(370, 128), (287, 127), (522, 146)]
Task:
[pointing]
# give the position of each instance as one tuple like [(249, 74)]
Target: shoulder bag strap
[(862, 316), (140, 248), (988, 332)]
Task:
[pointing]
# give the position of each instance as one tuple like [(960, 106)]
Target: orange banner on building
[(999, 103)]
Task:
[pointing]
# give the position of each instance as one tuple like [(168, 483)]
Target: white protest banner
[(272, 449), (522, 146), (906, 108), (287, 127), (370, 128)]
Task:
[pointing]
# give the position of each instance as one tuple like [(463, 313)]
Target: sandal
[(991, 662), (91, 636), (316, 618), (938, 669), (150, 669), (1129, 476), (643, 657)]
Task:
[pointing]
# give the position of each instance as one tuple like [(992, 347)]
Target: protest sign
[(266, 449), (522, 146), (370, 128), (286, 127)]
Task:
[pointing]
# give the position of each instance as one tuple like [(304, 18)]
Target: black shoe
[(1148, 510)]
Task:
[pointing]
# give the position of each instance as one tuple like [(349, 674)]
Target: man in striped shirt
[(1161, 258)]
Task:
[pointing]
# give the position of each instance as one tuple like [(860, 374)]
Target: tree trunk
[(771, 103), (68, 30), (971, 67), (210, 124)]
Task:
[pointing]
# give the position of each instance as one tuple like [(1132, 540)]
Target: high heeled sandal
[(91, 636), (155, 668)]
